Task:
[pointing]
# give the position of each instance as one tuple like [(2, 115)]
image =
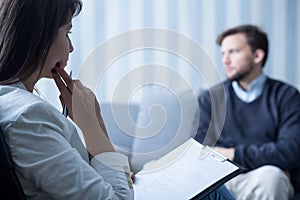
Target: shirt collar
[(254, 91), (19, 85)]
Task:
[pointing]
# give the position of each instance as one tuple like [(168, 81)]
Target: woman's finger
[(66, 78), (59, 83)]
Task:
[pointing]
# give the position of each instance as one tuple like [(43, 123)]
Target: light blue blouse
[(51, 160)]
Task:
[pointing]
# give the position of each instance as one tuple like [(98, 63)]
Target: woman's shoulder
[(20, 110), (14, 101), (17, 105)]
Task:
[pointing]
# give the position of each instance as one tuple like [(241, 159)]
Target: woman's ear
[(259, 55)]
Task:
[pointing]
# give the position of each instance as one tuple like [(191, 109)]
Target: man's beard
[(241, 75), (237, 77)]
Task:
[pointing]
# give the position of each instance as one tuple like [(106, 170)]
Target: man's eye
[(234, 50)]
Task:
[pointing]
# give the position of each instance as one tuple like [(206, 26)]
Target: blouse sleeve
[(43, 148)]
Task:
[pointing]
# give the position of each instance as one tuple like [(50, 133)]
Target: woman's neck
[(29, 84)]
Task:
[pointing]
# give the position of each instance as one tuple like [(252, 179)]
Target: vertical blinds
[(102, 21)]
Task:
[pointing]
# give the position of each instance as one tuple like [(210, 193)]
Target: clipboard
[(191, 171), (220, 182)]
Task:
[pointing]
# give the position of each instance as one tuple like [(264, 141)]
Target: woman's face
[(59, 50)]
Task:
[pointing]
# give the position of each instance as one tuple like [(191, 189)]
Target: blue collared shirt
[(255, 89)]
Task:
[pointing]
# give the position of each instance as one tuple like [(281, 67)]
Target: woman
[(51, 161)]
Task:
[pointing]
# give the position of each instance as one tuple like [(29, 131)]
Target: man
[(261, 126)]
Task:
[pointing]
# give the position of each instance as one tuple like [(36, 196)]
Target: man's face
[(237, 57)]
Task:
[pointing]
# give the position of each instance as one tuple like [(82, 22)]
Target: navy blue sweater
[(263, 132)]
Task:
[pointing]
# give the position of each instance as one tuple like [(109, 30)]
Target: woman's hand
[(65, 85), (84, 110)]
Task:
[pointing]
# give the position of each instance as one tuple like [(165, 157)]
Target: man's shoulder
[(222, 86), (217, 92), (283, 93), (220, 89), (280, 86)]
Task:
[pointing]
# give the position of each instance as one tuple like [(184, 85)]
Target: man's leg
[(219, 194), (264, 183)]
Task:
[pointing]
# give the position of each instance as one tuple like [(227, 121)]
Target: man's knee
[(268, 173), (266, 182), (270, 181)]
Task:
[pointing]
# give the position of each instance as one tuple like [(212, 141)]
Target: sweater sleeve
[(212, 110), (284, 150), (204, 119)]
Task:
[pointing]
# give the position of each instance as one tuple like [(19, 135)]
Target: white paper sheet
[(182, 174)]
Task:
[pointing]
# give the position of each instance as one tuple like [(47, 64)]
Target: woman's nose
[(71, 48)]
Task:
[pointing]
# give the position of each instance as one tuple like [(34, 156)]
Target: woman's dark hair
[(27, 30), (256, 38)]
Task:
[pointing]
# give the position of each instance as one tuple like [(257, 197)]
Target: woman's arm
[(46, 149)]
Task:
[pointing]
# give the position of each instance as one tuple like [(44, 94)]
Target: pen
[(65, 110)]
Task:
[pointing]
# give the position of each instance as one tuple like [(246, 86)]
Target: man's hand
[(227, 152)]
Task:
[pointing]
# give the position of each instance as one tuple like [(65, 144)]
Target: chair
[(297, 195), (120, 120), (166, 119), (10, 185)]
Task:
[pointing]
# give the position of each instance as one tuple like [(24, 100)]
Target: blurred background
[(199, 20), (141, 56)]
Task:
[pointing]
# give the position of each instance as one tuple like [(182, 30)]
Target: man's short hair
[(256, 38)]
